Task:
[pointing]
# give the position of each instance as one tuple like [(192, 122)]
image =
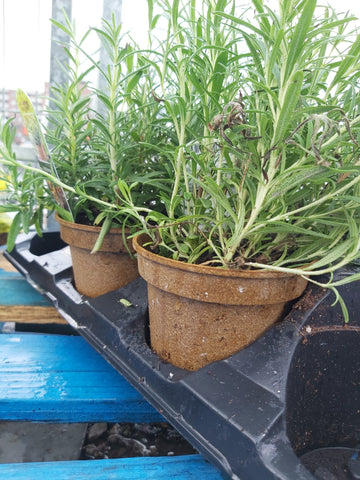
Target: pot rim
[(86, 228), (82, 236), (140, 239)]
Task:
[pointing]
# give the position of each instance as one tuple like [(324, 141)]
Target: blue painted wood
[(15, 290), (55, 378), (189, 467)]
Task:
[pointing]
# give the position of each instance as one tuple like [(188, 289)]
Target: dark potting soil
[(121, 440)]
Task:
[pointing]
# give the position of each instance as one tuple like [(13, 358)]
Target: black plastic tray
[(252, 415)]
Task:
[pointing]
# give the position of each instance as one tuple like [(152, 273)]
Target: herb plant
[(26, 195), (96, 137), (232, 142), (271, 179)]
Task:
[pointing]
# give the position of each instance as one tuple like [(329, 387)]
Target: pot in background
[(106, 270)]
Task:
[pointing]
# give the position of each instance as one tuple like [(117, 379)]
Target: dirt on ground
[(120, 440)]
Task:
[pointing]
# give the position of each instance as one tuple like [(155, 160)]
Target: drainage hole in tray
[(336, 463), (49, 242)]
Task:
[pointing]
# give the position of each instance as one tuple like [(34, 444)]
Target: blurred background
[(30, 55)]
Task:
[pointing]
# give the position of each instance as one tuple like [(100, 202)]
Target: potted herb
[(259, 121), (268, 188), (93, 137)]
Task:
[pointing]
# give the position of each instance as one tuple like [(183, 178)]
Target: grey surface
[(40, 442), (58, 55)]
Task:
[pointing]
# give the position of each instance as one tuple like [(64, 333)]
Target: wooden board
[(23, 314), (5, 265), (20, 302), (189, 467), (60, 378)]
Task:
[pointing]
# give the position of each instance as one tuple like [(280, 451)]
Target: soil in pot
[(200, 314), (3, 238), (106, 270)]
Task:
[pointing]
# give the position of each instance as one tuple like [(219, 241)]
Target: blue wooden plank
[(15, 290), (59, 378), (189, 467)]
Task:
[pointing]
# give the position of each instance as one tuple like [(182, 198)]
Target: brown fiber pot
[(200, 314), (97, 273)]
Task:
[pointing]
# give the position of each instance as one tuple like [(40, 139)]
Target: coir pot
[(106, 270), (200, 314)]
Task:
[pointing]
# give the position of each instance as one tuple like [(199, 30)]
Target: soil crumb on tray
[(118, 440)]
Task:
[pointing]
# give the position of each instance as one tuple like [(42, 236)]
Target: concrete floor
[(40, 442)]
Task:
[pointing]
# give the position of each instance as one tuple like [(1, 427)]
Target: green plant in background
[(96, 137), (113, 139), (26, 194)]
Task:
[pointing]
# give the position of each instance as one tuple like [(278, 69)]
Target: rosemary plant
[(97, 138), (233, 141), (271, 179)]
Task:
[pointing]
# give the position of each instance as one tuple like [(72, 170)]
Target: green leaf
[(318, 110), (210, 186), (293, 178), (175, 14), (14, 231), (299, 37), (104, 230), (125, 302), (351, 59), (64, 214), (150, 5), (254, 47), (79, 105), (259, 6), (62, 27), (124, 190), (218, 75), (103, 129), (289, 102), (293, 229), (274, 55), (332, 256), (134, 81), (243, 23)]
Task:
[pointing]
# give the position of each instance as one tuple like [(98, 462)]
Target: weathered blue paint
[(59, 378), (55, 378), (14, 290), (189, 467)]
